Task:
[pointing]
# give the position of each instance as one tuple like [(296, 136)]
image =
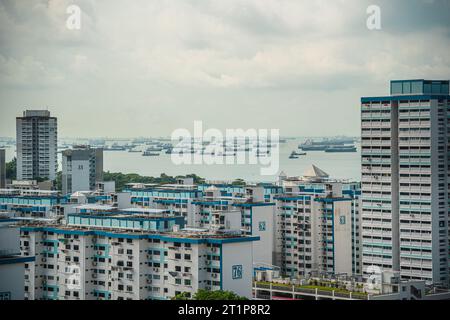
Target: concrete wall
[(2, 169), (343, 237), (11, 280), (9, 240), (237, 255), (264, 249)]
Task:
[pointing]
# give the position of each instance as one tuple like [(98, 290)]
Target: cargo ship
[(350, 148)]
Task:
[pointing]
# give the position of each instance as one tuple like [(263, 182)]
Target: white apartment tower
[(36, 134), (82, 167), (405, 210)]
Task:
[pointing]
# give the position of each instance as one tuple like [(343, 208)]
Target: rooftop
[(188, 233)]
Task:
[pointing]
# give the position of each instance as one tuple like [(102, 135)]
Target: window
[(396, 88), (416, 87)]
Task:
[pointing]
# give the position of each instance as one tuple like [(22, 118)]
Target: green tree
[(122, 179), (58, 181), (182, 296), (209, 295), (238, 182), (11, 169), (217, 295)]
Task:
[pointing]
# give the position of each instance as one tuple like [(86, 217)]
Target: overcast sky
[(147, 67)]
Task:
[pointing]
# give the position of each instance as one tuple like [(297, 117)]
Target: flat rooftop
[(145, 210), (187, 233), (93, 206)]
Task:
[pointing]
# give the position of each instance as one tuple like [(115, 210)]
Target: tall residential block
[(2, 169), (318, 226), (36, 137), (82, 167), (405, 209)]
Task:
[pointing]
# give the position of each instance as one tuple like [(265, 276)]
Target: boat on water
[(295, 153), (336, 149), (229, 154), (313, 147), (115, 147), (329, 145), (148, 153)]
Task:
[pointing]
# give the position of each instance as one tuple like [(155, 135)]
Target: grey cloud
[(146, 67)]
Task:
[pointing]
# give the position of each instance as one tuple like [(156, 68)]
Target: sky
[(147, 67)]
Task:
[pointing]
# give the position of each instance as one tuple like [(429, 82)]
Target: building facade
[(405, 171), (82, 168), (2, 168), (120, 256), (12, 264), (318, 226), (36, 136)]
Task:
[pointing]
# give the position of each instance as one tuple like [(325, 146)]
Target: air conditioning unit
[(149, 280), (156, 269), (99, 253), (94, 263), (214, 275), (44, 259), (94, 275)]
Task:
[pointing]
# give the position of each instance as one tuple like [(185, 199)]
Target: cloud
[(175, 61)]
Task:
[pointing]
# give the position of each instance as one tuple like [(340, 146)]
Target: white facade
[(11, 263), (317, 227), (36, 135), (2, 169), (74, 262), (405, 143), (82, 168)]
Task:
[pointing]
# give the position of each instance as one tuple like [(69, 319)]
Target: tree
[(238, 182), (122, 179), (217, 295), (182, 296), (58, 181), (209, 295), (197, 179), (11, 169)]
